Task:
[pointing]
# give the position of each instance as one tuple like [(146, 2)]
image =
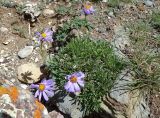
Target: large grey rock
[(68, 106), (121, 42), (119, 91), (25, 52), (134, 101), (16, 102)]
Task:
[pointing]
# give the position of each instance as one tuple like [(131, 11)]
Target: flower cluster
[(45, 36), (46, 87), (88, 9), (75, 81)]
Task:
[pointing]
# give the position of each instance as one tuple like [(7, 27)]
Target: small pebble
[(149, 3), (25, 52), (1, 60), (36, 60), (24, 86), (48, 12), (3, 29)]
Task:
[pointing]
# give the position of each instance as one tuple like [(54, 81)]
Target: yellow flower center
[(73, 79), (41, 87), (86, 6), (44, 35)]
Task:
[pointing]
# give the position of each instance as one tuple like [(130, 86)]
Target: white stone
[(1, 60), (149, 3), (119, 91), (25, 52), (36, 60), (24, 86), (48, 12), (3, 29)]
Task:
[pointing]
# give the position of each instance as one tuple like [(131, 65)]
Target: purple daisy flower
[(75, 81), (88, 9), (45, 36), (45, 89)]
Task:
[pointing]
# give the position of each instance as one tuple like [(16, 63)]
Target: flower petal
[(34, 86), (47, 30), (68, 77), (49, 93), (45, 96), (49, 33), (86, 11), (48, 87), (71, 89), (37, 33), (49, 39), (76, 87), (80, 74), (36, 94), (40, 95), (50, 82), (67, 85), (81, 82), (44, 81), (92, 9)]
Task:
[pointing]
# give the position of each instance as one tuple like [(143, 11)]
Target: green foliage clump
[(75, 23), (155, 20), (97, 60)]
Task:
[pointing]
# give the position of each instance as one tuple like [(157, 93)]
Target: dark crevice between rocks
[(101, 114), (5, 115)]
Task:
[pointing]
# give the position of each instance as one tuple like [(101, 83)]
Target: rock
[(25, 52), (48, 12), (24, 86), (121, 42), (3, 30), (36, 60), (74, 33), (119, 91), (29, 73), (68, 106), (16, 102), (55, 114), (111, 14), (8, 40), (149, 3), (138, 107), (2, 60), (130, 104), (104, 0), (31, 11)]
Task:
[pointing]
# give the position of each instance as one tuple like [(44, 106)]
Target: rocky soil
[(17, 49)]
